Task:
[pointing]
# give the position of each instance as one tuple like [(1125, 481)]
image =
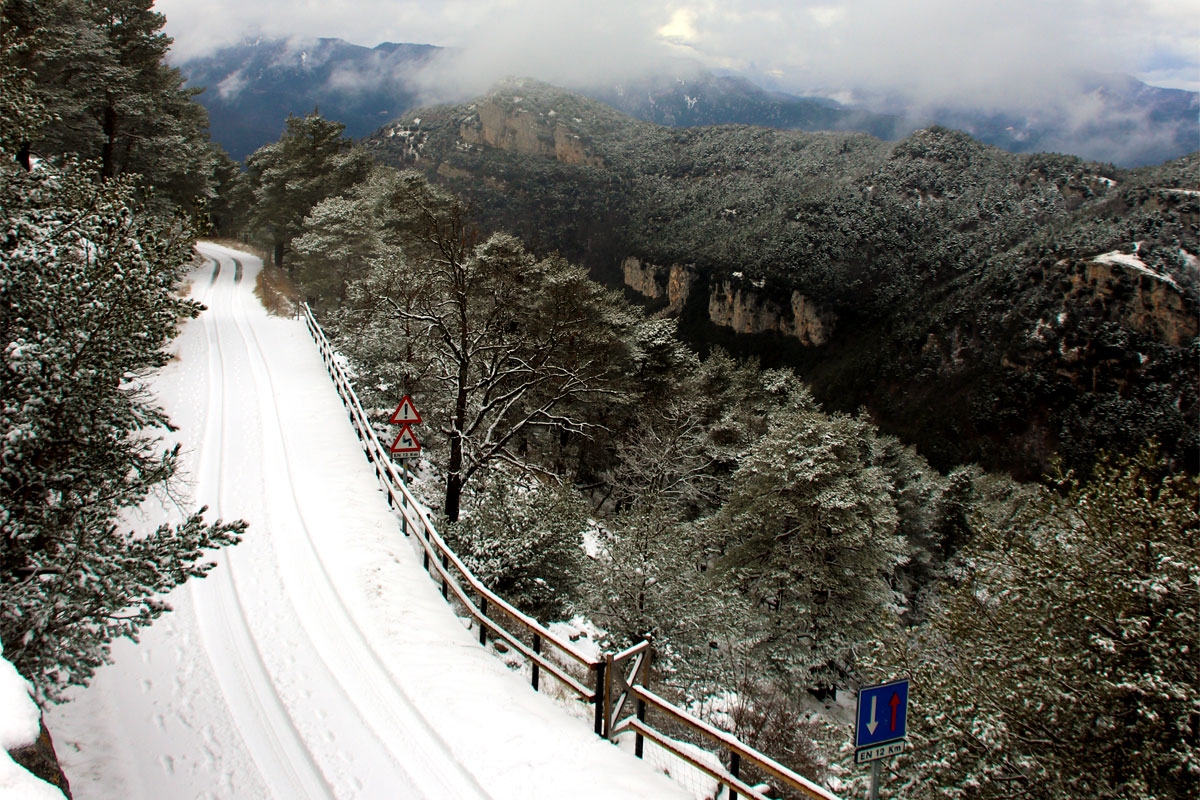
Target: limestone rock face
[(679, 287), (813, 325), (1137, 297), (648, 280), (525, 132), (743, 310), (656, 282), (732, 304)]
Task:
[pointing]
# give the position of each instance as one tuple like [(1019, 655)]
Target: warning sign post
[(406, 413), (406, 444)]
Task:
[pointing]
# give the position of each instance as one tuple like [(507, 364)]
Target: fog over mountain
[(253, 85), (992, 56)]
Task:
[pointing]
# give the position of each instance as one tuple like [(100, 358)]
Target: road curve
[(349, 705)]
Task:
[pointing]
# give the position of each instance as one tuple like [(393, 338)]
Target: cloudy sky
[(987, 53)]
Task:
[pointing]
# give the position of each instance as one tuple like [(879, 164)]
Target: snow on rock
[(20, 724), (1133, 262)]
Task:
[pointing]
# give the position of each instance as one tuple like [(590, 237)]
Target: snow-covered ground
[(317, 660)]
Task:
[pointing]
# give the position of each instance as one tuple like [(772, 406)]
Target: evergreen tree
[(341, 235), (1063, 660), (228, 211), (22, 114), (310, 162), (101, 69), (647, 576), (808, 535), (524, 539), (87, 305)]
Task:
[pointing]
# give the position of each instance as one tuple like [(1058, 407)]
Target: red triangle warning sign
[(406, 441), (405, 413)]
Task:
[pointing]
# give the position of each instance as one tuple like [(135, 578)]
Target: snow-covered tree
[(808, 535), (524, 539), (340, 236), (1065, 660), (100, 68), (646, 578), (507, 346), (87, 305), (310, 162)]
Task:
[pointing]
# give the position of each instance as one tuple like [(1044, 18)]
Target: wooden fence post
[(601, 701), (482, 615), (537, 648)]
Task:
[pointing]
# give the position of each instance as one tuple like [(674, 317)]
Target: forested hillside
[(774, 548), (966, 296)]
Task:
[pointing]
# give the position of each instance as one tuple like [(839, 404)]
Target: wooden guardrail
[(545, 651), (615, 684), (740, 755)]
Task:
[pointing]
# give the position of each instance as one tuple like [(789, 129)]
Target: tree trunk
[(278, 256), (453, 493), (108, 155), (454, 474)]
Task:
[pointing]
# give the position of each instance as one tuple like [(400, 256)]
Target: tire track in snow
[(381, 702), (265, 725), (358, 762)]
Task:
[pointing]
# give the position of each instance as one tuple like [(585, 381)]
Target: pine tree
[(101, 70), (310, 162), (1064, 660), (524, 539), (340, 237), (808, 535), (87, 305)]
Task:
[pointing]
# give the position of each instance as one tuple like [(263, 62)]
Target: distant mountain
[(698, 97), (987, 306), (253, 86), (1114, 118)]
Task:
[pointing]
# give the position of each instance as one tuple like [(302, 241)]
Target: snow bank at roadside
[(20, 724)]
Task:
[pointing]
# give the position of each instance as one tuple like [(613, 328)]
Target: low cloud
[(1020, 54)]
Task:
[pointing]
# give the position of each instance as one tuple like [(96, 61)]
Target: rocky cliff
[(986, 307), (739, 305), (505, 124)]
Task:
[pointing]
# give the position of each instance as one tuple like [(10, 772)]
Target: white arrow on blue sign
[(882, 714)]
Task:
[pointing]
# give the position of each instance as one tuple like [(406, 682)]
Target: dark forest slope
[(987, 306)]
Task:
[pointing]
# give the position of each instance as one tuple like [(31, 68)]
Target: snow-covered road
[(317, 660)]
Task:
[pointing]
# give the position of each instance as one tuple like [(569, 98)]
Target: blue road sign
[(882, 714)]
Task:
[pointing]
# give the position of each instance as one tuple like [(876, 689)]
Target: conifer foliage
[(1063, 662), (99, 68), (87, 306), (310, 162), (809, 535)]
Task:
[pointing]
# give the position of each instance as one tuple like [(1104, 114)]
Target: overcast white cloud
[(992, 54)]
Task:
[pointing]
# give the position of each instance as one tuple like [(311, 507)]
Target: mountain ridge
[(252, 87), (990, 307)]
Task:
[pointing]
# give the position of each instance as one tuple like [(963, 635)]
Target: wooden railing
[(615, 684), (546, 652), (706, 737)]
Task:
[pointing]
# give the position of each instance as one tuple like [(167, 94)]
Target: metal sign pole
[(876, 768)]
